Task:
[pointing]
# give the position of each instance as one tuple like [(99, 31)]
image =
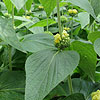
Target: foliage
[(49, 49)]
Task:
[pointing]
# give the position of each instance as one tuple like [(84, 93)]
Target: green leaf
[(37, 42), (84, 4), (46, 69), (81, 86), (28, 4), (19, 3), (8, 5), (58, 91), (22, 19), (48, 5), (35, 30), (12, 80), (97, 46), (84, 19), (12, 85), (77, 30), (75, 96), (36, 1), (93, 36), (97, 76), (11, 95), (43, 23), (85, 87), (88, 57), (31, 42), (96, 6), (7, 34)]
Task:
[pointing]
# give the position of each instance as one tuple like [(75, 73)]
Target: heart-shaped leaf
[(46, 69), (88, 57), (19, 3), (84, 4)]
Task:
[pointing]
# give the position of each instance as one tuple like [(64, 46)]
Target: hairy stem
[(9, 47), (25, 9), (58, 15), (70, 84), (72, 29), (10, 57), (13, 15), (47, 25)]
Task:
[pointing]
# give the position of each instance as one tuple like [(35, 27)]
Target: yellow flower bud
[(96, 95), (64, 34), (40, 7), (27, 17), (75, 11), (66, 28), (70, 11), (57, 38), (63, 19)]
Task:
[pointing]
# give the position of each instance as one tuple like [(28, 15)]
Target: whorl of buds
[(62, 41), (72, 12), (66, 28), (63, 19), (96, 95)]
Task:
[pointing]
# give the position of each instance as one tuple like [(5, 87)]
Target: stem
[(52, 14), (62, 26), (47, 25), (10, 58), (13, 15), (25, 9), (72, 29), (58, 15), (9, 47), (70, 84), (62, 12)]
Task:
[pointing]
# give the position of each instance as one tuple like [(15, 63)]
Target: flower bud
[(64, 34), (70, 11), (40, 7), (27, 17), (63, 19), (57, 38), (66, 28), (75, 11), (96, 95)]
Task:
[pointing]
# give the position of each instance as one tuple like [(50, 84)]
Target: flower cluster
[(72, 12), (62, 41), (66, 28), (96, 95), (63, 19), (40, 7)]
